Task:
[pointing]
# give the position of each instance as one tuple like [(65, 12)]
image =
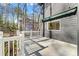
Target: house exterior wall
[(68, 31), (78, 30)]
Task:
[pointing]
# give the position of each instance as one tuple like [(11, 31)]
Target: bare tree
[(42, 5)]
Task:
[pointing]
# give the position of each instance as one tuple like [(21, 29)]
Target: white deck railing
[(32, 34), (13, 46)]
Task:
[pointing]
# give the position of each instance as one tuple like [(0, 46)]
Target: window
[(54, 25)]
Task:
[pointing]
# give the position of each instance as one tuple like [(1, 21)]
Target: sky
[(30, 8), (13, 5)]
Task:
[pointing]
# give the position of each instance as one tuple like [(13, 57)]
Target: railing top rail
[(12, 38), (31, 31)]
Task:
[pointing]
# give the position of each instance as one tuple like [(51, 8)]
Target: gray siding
[(68, 32)]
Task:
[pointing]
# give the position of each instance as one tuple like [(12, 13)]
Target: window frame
[(54, 29)]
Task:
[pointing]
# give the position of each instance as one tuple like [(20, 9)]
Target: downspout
[(50, 32), (43, 22)]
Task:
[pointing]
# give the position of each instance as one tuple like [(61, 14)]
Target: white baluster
[(3, 47), (1, 42), (8, 48), (22, 45), (13, 47), (17, 47)]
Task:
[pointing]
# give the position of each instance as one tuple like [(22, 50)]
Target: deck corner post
[(1, 43)]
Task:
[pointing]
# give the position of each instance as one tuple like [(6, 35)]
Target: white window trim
[(54, 21)]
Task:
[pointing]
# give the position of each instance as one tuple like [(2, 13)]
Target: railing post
[(30, 34), (1, 41), (22, 43), (18, 32)]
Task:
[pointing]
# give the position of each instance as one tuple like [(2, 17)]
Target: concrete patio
[(49, 47)]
